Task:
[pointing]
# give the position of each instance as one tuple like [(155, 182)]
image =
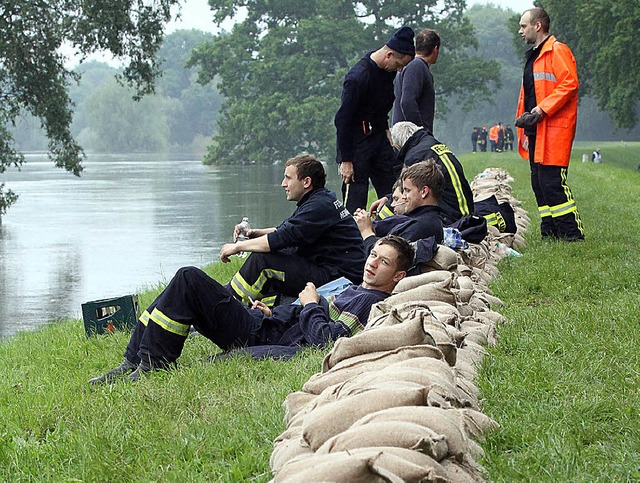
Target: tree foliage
[(33, 74), (281, 68), (602, 35)]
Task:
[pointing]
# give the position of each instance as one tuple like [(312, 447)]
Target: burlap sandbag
[(483, 333), (335, 417), (383, 318), (434, 291), (491, 315), (410, 332), (414, 281), (367, 362), (441, 392), (467, 472), (295, 402), (389, 433), (336, 467), (448, 422), (410, 465), (286, 450), (477, 424), (444, 259)]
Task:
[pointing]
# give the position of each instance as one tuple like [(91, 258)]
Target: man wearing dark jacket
[(362, 121), (318, 243), (192, 298), (421, 187), (416, 145), (415, 94)]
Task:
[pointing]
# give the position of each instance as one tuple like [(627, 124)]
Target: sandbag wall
[(397, 402)]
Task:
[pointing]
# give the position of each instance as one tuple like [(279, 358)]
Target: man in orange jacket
[(549, 100)]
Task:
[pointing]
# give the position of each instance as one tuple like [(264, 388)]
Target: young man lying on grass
[(192, 298)]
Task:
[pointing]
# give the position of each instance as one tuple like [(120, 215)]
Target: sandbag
[(295, 402), (367, 362), (336, 467), (414, 281), (335, 417), (389, 433), (378, 339), (448, 422), (434, 291)]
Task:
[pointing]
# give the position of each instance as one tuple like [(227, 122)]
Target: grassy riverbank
[(563, 381)]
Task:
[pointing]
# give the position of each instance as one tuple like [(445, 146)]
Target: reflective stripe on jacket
[(556, 84)]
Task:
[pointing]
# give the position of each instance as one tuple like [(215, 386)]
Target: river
[(128, 222)]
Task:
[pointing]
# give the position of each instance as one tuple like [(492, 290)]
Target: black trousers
[(374, 160), (267, 276), (193, 298), (559, 217)]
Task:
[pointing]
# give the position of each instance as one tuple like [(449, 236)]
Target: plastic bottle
[(243, 233)]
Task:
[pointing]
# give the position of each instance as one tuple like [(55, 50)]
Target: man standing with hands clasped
[(362, 121), (546, 121)]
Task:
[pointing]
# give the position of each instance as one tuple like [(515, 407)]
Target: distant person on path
[(318, 243), (500, 144), (192, 298), (596, 157), (414, 88), (508, 138), (362, 121), (493, 138), (482, 139), (547, 114), (474, 138)]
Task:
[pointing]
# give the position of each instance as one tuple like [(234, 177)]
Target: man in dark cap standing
[(362, 121)]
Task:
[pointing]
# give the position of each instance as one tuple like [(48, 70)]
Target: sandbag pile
[(397, 401)]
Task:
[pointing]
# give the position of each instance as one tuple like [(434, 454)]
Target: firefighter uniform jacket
[(556, 86)]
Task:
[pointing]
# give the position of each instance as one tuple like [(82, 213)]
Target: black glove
[(528, 120)]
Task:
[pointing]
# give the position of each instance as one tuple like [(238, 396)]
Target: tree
[(602, 35), (33, 74), (281, 68)]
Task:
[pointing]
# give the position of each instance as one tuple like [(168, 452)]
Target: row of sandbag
[(397, 402)]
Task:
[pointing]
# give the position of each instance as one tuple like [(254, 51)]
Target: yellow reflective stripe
[(569, 196), (563, 209), (269, 301), (491, 219), (455, 181), (254, 292), (548, 76), (144, 318), (385, 212), (544, 211), (243, 289), (168, 324)]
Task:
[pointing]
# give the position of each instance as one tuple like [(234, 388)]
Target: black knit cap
[(402, 41)]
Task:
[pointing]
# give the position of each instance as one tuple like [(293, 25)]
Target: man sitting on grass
[(421, 188), (192, 298)]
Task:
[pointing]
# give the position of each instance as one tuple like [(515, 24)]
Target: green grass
[(563, 381)]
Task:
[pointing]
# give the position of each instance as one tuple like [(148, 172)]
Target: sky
[(196, 14)]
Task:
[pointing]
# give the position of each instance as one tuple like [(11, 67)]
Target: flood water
[(128, 222)]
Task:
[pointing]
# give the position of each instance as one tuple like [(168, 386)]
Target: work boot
[(145, 366), (117, 372)]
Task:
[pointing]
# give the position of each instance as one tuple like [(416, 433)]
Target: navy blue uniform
[(456, 200), (318, 243), (192, 298), (415, 95), (422, 222), (361, 125)]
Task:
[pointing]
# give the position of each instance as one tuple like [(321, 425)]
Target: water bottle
[(243, 233)]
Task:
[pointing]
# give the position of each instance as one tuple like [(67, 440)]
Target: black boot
[(117, 372)]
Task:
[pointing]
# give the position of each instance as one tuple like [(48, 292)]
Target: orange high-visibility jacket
[(493, 133), (556, 84)]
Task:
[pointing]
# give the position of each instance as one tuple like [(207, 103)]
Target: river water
[(128, 222)]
